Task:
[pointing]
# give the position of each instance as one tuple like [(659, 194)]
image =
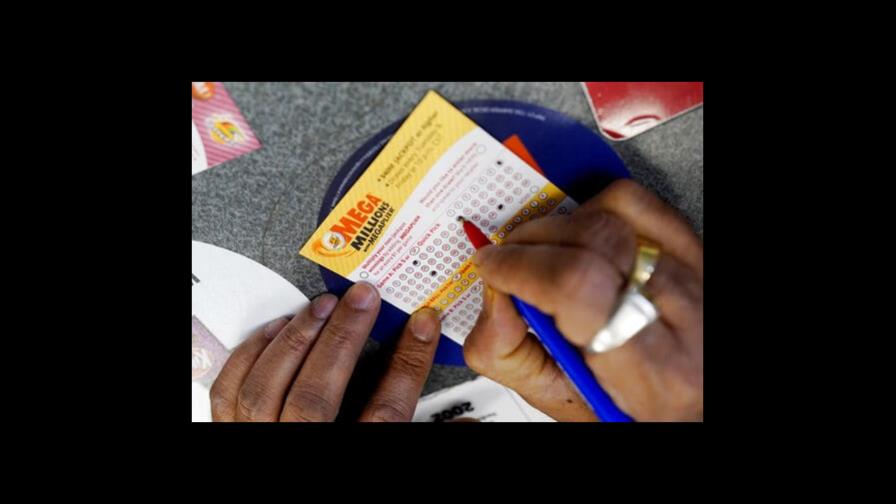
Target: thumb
[(500, 348), (499, 331)]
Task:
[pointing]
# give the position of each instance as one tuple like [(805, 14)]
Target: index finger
[(652, 219), (399, 390), (576, 286), (317, 392)]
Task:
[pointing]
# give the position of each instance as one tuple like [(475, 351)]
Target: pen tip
[(460, 218)]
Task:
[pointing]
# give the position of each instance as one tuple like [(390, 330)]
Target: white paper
[(234, 297), (481, 399)]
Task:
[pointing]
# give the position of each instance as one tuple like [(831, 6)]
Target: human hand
[(298, 369), (574, 267)]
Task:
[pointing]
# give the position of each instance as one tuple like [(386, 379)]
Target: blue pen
[(568, 358)]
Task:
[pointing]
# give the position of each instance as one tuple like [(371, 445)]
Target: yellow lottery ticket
[(397, 226)]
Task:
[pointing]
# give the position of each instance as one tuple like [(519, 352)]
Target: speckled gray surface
[(264, 204)]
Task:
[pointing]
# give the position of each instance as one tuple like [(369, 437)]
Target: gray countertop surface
[(264, 204)]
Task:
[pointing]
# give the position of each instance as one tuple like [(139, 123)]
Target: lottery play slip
[(397, 226)]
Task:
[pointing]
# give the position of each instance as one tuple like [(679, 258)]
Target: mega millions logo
[(357, 230), (224, 130)]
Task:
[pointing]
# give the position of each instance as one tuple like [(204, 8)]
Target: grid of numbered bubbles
[(483, 202)]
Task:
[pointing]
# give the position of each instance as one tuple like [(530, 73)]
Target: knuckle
[(604, 279), (249, 401), (577, 266), (221, 405), (590, 219), (619, 234), (216, 392), (341, 335), (246, 412), (297, 339), (608, 233), (624, 188), (306, 404), (410, 362), (388, 409)]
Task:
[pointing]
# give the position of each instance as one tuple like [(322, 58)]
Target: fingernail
[(424, 323), (322, 306), (361, 296), (273, 328), (482, 254)]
